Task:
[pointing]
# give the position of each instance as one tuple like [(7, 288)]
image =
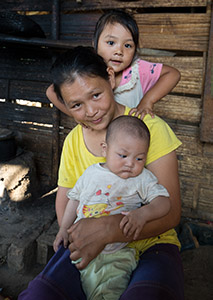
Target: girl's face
[(125, 155), (90, 101), (116, 46)]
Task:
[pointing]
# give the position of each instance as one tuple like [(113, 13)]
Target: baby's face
[(126, 155)]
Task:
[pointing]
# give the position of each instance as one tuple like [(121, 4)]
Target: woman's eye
[(95, 96), (77, 105), (128, 46), (110, 43)]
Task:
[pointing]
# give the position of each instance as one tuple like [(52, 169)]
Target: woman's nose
[(91, 111)]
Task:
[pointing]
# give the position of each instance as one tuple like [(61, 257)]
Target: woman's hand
[(87, 239), (89, 236)]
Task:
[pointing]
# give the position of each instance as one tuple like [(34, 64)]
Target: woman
[(82, 80)]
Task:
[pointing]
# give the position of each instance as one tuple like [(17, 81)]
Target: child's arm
[(68, 219), (133, 221), (51, 95), (168, 79)]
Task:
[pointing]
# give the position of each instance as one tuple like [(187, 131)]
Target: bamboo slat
[(3, 88), (179, 108), (29, 90), (26, 5), (16, 63), (174, 31), (41, 117), (188, 32), (35, 5), (195, 170), (96, 4), (204, 204)]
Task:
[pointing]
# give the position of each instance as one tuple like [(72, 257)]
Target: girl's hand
[(137, 112), (62, 236), (143, 108), (132, 223)]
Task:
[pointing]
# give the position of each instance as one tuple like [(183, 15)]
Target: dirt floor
[(197, 262)]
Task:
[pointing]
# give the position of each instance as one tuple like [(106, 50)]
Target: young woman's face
[(90, 101), (126, 155), (116, 46)]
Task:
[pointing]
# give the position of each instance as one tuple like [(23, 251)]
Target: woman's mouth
[(97, 121)]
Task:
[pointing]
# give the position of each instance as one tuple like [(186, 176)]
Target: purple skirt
[(159, 275)]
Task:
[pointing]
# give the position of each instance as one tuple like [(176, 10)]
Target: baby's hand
[(132, 223), (62, 236)]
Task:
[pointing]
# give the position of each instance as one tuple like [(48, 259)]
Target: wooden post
[(206, 130), (56, 113), (55, 20)]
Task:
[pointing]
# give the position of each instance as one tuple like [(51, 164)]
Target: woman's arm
[(166, 170), (88, 237), (51, 95)]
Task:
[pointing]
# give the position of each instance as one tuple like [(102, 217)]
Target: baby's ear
[(111, 77), (104, 148)]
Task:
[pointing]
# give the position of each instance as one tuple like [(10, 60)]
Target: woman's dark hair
[(112, 17), (79, 61)]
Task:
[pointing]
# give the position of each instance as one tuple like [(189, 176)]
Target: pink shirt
[(136, 81)]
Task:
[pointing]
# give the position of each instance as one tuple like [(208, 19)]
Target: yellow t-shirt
[(76, 158)]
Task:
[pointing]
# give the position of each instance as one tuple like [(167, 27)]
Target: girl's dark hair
[(112, 17), (79, 61), (130, 125)]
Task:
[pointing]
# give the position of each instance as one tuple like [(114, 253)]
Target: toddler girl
[(139, 84)]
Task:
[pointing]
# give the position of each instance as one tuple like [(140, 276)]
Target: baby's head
[(126, 146), (77, 62), (116, 16)]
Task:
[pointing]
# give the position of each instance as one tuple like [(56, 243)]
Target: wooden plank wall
[(172, 32)]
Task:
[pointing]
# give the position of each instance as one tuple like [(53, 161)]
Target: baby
[(121, 185)]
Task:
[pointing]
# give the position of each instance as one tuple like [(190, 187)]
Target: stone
[(45, 244), (21, 256), (19, 231), (18, 180)]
